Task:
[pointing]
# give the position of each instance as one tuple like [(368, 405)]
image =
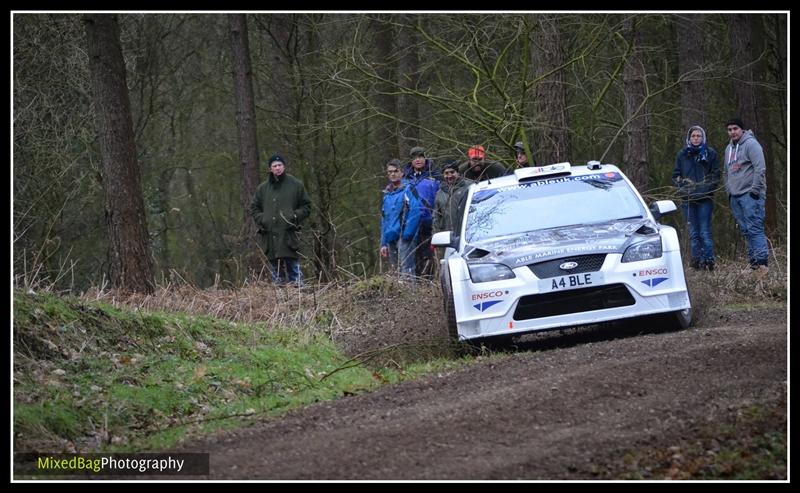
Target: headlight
[(489, 272), (645, 250)]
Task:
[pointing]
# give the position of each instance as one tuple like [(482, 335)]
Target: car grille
[(586, 263), (573, 301)]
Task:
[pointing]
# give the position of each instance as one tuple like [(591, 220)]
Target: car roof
[(550, 170)]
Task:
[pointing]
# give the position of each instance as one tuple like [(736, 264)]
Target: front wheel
[(679, 320), (449, 304)]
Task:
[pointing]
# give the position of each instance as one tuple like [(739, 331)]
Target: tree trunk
[(748, 45), (551, 94), (386, 125), (689, 31), (635, 156), (408, 76), (246, 126), (131, 266)]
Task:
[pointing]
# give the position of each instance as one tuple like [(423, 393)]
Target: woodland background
[(139, 138)]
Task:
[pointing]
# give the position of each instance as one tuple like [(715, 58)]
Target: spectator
[(478, 169), (521, 156), (450, 200), (400, 214), (423, 178), (745, 170), (278, 207), (697, 176)]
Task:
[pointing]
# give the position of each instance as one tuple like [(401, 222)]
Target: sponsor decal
[(654, 281), (658, 271), (486, 305), (488, 295), (582, 249), (608, 176)]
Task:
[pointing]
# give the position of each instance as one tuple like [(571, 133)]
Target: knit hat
[(451, 164), (736, 121), (416, 151), (275, 157), (519, 146), (476, 151)]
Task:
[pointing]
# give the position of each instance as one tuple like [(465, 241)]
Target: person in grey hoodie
[(696, 176), (745, 172)]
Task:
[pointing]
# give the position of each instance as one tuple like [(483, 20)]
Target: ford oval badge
[(568, 265)]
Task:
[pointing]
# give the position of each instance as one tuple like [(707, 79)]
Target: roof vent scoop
[(593, 165)]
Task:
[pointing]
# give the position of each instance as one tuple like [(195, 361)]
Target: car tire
[(682, 319), (449, 304)]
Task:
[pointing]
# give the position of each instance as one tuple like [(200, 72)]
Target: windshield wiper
[(604, 185)]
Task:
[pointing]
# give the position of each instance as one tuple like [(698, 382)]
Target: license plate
[(572, 281)]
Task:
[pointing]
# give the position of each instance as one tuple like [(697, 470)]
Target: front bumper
[(517, 306)]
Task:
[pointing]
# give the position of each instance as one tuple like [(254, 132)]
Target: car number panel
[(571, 281)]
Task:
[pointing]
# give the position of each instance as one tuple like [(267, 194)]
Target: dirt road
[(566, 406)]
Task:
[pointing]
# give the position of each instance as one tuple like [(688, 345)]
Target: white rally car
[(560, 246)]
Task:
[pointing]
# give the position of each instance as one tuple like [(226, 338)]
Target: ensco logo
[(486, 296)]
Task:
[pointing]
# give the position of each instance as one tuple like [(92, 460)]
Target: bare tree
[(689, 32), (408, 75), (635, 155), (131, 263), (386, 125), (246, 125), (551, 92)]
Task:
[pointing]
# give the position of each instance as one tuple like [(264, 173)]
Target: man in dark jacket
[(279, 205), (450, 200), (697, 176), (521, 157), (478, 169)]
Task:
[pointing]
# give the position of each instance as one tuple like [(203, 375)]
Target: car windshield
[(553, 203)]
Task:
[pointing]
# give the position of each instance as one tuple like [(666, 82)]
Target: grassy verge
[(90, 377)]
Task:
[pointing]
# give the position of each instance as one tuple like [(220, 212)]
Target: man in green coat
[(279, 205)]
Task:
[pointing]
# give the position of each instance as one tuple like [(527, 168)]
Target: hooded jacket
[(696, 172), (745, 166), (278, 207)]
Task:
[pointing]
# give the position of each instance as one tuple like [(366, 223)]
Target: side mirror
[(662, 208), (445, 239)]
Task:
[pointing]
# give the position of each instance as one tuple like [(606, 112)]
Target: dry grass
[(362, 316), (733, 284), (368, 315)]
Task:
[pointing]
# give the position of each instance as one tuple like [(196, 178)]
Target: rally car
[(560, 246)]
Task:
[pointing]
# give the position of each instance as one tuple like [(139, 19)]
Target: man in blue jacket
[(400, 215), (423, 178)]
